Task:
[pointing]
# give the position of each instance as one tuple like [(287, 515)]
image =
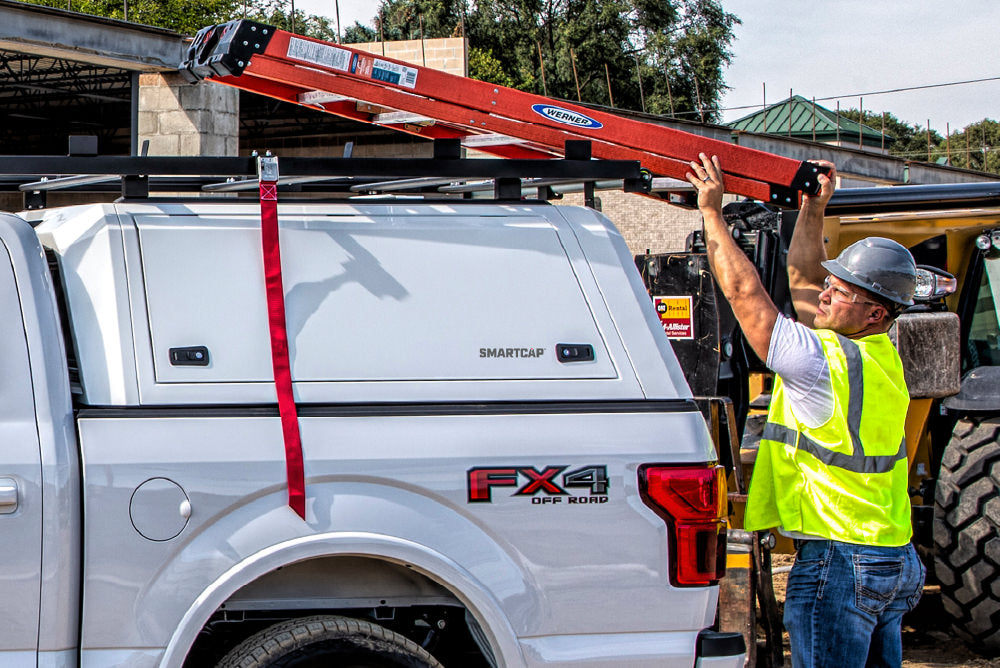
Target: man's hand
[(707, 180), (827, 184)]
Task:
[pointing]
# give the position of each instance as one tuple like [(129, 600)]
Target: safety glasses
[(839, 294)]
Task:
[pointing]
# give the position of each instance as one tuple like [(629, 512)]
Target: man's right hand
[(827, 184)]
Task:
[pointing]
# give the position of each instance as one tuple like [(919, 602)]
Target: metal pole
[(968, 147), (607, 75), (838, 122), (336, 9), (789, 112), (541, 64), (928, 140), (576, 80), (861, 124), (638, 75), (670, 95), (814, 119), (763, 86), (293, 17), (947, 141), (697, 95), (423, 52)]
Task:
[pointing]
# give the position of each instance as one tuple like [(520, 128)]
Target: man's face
[(845, 309)]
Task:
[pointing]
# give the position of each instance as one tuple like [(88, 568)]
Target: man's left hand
[(707, 180)]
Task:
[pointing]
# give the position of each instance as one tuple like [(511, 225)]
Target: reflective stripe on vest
[(858, 461)]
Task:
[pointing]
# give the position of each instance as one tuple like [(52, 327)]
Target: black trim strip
[(398, 409)]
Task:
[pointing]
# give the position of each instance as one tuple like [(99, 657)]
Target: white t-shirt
[(796, 355)]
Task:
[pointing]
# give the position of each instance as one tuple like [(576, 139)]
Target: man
[(831, 470)]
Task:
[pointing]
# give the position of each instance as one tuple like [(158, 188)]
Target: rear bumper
[(720, 649), (637, 650)]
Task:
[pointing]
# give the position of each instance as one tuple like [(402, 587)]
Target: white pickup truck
[(503, 463)]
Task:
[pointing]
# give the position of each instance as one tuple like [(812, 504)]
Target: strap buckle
[(267, 168)]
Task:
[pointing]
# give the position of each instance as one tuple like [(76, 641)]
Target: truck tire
[(967, 532), (325, 640)]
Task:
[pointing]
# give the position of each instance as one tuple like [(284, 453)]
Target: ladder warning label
[(675, 316), (400, 75), (347, 61), (319, 54)]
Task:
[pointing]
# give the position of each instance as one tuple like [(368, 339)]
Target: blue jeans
[(844, 603)]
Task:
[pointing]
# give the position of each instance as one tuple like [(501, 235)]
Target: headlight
[(933, 283)]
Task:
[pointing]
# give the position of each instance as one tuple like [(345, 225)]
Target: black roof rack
[(141, 176)]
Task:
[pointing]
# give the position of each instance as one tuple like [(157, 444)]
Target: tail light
[(692, 501)]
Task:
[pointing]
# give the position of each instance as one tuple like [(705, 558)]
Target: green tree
[(184, 16), (977, 147), (662, 56), (910, 141), (189, 16)]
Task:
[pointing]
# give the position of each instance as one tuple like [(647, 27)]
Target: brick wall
[(644, 222)]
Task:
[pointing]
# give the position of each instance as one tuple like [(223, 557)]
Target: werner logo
[(542, 487), (565, 116)]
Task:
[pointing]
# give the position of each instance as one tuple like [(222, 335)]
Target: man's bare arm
[(736, 275), (807, 251)]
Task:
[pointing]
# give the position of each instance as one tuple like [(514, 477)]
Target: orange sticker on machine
[(675, 316)]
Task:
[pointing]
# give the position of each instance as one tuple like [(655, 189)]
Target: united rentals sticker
[(675, 316)]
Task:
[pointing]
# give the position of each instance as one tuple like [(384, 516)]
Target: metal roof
[(799, 117)]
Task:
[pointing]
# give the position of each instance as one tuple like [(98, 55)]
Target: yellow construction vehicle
[(950, 346)]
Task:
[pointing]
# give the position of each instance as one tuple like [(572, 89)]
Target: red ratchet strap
[(267, 172)]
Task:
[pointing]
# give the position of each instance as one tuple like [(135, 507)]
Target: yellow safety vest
[(845, 480)]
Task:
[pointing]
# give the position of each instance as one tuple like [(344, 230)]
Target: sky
[(846, 50)]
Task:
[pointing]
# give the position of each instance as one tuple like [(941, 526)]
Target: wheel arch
[(258, 570)]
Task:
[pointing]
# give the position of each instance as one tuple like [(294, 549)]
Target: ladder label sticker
[(319, 54), (400, 75), (566, 116), (675, 316)]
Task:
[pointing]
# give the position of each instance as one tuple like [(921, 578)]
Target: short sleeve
[(796, 354)]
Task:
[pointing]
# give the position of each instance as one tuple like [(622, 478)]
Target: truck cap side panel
[(387, 296), (88, 243), (649, 351), (384, 302)]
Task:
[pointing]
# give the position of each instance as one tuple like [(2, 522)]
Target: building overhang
[(65, 35)]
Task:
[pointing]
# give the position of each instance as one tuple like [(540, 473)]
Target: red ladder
[(490, 118)]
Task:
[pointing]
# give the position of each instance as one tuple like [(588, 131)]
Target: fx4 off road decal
[(580, 486)]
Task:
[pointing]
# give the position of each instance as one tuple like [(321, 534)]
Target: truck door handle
[(8, 496)]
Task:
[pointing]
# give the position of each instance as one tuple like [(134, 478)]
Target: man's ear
[(878, 314)]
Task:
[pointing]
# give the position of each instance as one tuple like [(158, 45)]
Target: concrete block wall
[(179, 118), (447, 54)]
